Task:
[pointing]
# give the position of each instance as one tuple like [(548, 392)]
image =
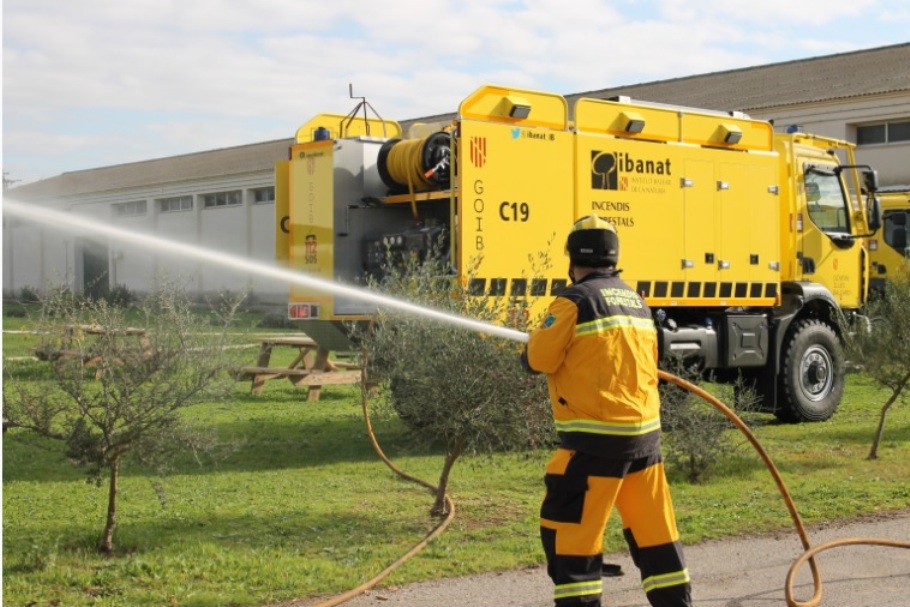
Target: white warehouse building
[(223, 199)]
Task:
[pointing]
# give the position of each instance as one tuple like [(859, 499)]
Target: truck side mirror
[(874, 213), (870, 181)]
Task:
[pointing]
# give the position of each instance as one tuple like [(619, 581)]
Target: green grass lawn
[(305, 508)]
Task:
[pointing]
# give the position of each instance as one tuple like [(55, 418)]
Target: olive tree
[(119, 382), (882, 349), (449, 385)]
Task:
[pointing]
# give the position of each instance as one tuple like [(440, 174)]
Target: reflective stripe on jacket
[(598, 347)]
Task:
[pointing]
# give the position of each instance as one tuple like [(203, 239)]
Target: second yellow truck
[(888, 250)]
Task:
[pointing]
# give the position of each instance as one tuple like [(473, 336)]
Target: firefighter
[(598, 347)]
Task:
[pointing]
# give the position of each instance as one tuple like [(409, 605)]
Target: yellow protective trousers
[(581, 492)]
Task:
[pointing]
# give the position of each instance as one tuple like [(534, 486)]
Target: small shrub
[(120, 296), (29, 294), (274, 320), (696, 435)]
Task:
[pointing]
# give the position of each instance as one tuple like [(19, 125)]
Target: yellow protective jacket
[(598, 347)]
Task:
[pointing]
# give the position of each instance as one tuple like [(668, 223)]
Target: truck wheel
[(811, 374)]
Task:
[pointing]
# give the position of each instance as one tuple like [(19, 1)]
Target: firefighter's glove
[(524, 362)]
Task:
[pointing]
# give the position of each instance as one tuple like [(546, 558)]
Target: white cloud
[(804, 13), (172, 76)]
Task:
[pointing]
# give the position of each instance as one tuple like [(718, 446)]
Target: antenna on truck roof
[(364, 105)]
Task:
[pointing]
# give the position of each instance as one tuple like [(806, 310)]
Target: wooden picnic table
[(311, 368), (71, 346)]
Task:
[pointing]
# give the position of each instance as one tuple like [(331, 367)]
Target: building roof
[(251, 158), (842, 76), (851, 75)]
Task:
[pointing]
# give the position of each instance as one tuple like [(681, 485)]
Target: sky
[(92, 83)]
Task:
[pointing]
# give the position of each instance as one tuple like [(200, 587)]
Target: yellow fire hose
[(420, 164), (450, 506), (808, 555), (788, 500)]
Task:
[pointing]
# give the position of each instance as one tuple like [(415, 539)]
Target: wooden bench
[(311, 367)]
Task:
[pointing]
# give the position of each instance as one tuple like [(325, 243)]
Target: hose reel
[(416, 165)]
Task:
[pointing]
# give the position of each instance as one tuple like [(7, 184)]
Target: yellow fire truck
[(888, 251), (747, 245)]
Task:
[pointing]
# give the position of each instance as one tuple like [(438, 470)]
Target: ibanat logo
[(607, 168)]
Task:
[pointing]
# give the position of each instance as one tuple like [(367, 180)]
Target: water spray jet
[(71, 222)]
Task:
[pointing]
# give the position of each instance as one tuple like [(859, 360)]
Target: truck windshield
[(826, 202)]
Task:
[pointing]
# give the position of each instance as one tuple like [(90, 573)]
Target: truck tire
[(811, 374)]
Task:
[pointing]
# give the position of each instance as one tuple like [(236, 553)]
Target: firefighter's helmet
[(593, 243)]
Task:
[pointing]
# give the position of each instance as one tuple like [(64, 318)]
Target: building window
[(885, 132), (177, 203), (129, 209), (870, 134), (221, 199), (899, 131), (262, 195)]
